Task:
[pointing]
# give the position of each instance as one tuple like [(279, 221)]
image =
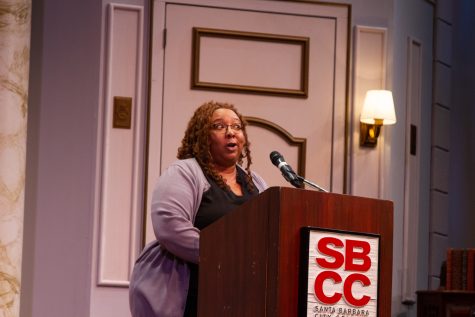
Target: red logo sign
[(342, 272), (343, 254)]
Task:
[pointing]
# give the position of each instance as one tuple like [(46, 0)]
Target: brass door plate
[(122, 117)]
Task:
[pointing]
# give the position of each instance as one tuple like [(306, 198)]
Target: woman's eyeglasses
[(236, 127)]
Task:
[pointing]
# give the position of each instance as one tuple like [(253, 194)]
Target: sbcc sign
[(340, 273)]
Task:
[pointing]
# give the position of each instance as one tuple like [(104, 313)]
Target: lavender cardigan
[(159, 281)]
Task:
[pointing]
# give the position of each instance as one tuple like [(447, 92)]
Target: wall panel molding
[(121, 145), (369, 73), (443, 43), (442, 86), (440, 170), (412, 169)]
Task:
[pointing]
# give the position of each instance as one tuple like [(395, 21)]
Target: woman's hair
[(196, 143)]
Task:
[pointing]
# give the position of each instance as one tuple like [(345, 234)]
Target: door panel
[(319, 118)]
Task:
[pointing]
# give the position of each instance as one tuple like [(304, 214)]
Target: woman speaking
[(206, 182)]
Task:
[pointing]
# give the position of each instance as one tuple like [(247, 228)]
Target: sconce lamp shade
[(378, 110), (378, 107)]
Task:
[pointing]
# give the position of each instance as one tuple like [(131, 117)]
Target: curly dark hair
[(195, 143)]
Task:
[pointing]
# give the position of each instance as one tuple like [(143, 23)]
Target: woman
[(203, 185)]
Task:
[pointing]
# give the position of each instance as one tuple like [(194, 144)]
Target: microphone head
[(276, 158)]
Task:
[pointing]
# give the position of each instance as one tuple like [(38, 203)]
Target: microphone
[(278, 160)]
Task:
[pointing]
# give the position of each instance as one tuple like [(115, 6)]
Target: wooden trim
[(304, 42), (300, 143)]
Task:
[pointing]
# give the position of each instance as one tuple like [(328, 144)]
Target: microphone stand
[(312, 184)]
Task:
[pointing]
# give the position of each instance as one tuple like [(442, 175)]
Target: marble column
[(15, 21)]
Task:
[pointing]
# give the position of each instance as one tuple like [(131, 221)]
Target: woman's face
[(226, 137)]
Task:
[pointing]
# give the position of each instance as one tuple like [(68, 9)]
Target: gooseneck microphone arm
[(312, 184)]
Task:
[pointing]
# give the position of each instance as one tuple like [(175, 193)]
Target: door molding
[(300, 143)]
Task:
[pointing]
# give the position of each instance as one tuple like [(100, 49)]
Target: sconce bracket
[(369, 134)]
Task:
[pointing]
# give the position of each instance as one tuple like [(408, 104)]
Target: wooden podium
[(249, 259)]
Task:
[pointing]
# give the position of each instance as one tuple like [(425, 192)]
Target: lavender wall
[(64, 92)]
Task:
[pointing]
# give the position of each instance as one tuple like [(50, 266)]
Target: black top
[(215, 203)]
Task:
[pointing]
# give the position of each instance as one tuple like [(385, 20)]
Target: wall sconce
[(378, 110)]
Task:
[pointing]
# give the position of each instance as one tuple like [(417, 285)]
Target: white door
[(315, 122)]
